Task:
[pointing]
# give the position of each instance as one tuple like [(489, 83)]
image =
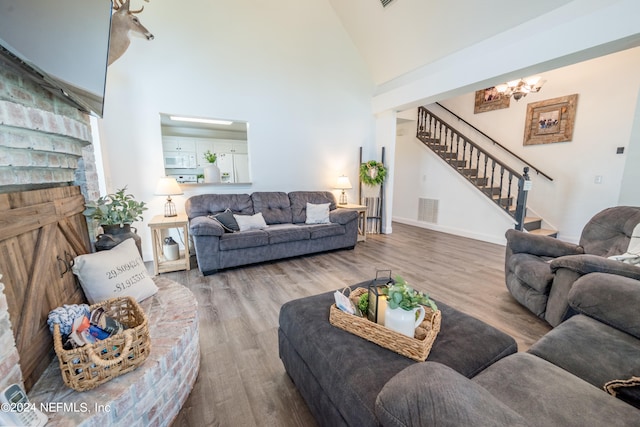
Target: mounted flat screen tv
[(63, 44)]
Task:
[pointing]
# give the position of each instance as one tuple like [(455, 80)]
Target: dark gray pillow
[(226, 220)]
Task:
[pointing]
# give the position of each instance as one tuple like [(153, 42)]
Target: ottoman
[(339, 375)]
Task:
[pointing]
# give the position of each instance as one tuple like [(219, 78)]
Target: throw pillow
[(114, 273), (226, 220), (627, 390), (251, 222), (317, 214)]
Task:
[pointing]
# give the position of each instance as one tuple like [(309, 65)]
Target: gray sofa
[(540, 270), (287, 234), (558, 382)]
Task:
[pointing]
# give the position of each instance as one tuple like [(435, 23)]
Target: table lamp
[(168, 186), (343, 184)]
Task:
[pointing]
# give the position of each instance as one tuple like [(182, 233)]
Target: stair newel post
[(523, 190)]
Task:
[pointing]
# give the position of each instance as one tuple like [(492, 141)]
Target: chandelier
[(520, 88)]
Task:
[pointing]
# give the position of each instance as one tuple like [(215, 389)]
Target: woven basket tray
[(87, 367), (413, 348)]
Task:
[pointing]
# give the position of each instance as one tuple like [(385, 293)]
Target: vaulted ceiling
[(408, 34)]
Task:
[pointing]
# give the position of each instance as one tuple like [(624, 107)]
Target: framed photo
[(490, 99), (551, 120)]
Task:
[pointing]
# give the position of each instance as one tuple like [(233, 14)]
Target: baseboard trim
[(499, 240)]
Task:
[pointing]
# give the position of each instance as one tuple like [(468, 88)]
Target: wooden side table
[(362, 219), (159, 223)]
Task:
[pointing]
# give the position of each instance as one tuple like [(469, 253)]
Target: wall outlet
[(598, 179)]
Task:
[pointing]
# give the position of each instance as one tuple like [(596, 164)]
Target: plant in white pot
[(405, 307), (211, 170), (115, 213)]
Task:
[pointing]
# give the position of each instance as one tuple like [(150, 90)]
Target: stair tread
[(543, 232), (528, 219)]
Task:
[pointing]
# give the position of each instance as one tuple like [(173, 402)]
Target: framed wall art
[(551, 120), (490, 99)]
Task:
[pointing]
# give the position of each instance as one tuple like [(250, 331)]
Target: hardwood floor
[(242, 381)]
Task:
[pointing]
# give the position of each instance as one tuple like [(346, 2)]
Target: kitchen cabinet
[(176, 143), (202, 146), (232, 147), (232, 157)]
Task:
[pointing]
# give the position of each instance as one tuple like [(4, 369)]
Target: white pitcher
[(403, 321)]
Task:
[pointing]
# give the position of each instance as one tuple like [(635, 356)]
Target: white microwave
[(180, 160)]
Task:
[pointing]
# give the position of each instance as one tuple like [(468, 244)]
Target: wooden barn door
[(41, 232)]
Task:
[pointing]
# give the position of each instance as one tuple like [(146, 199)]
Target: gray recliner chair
[(540, 270)]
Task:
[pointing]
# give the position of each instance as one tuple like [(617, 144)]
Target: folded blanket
[(632, 256)]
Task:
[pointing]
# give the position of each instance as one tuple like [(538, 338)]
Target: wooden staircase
[(534, 226), (493, 178)]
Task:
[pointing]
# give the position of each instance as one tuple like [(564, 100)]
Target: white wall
[(463, 210), (596, 28), (607, 89), (408, 34), (288, 68)]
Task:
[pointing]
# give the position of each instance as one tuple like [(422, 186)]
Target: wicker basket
[(413, 348), (87, 367)]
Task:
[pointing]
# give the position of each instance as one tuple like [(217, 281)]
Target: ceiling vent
[(385, 3)]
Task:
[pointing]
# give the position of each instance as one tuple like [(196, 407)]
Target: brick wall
[(44, 142), (153, 393)]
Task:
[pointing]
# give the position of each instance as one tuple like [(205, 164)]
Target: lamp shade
[(168, 186), (343, 183)]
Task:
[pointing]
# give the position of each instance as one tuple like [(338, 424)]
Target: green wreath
[(372, 173)]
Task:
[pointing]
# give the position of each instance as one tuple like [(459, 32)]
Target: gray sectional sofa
[(287, 233), (477, 381)]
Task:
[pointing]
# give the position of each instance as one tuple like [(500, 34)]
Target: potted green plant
[(115, 213), (210, 157), (405, 307), (211, 171)]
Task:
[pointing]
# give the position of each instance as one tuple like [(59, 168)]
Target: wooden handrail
[(476, 146), (538, 171)]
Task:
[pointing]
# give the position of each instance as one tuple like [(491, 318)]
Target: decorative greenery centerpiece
[(363, 304), (401, 295), (210, 157), (118, 208), (372, 173)]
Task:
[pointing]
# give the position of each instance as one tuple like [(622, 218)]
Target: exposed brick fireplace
[(44, 142)]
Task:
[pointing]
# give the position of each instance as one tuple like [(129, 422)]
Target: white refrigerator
[(234, 167)]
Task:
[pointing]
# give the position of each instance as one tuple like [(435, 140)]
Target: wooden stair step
[(544, 232), (456, 163), (430, 141), (468, 172), (504, 201), (532, 223), (448, 155), (478, 181), (438, 148)]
